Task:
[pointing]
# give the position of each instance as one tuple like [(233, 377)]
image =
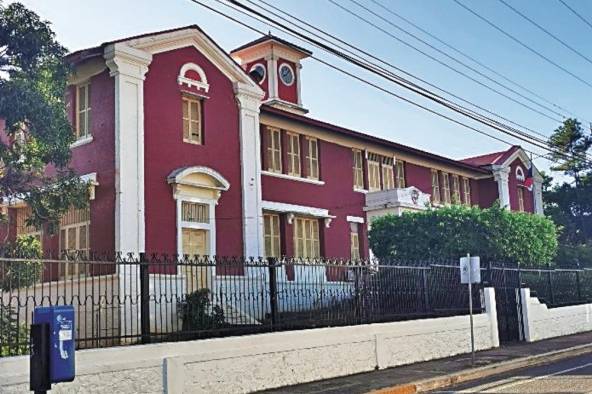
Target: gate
[(506, 281)]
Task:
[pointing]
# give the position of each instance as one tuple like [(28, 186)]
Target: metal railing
[(122, 300)]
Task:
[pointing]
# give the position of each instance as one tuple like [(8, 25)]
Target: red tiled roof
[(338, 129), (491, 158)]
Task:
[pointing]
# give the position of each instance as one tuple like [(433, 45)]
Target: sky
[(334, 97)]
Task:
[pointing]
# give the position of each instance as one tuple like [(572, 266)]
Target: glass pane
[(185, 129), (81, 98), (194, 111), (185, 109), (82, 237)]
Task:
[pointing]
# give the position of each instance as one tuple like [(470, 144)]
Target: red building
[(194, 150)]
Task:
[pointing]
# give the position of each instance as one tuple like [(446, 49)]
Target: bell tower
[(275, 65)]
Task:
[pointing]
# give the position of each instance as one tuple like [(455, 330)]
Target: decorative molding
[(178, 175), (293, 178), (501, 174), (91, 179), (292, 210), (410, 197), (203, 80), (82, 141), (520, 173), (354, 219)]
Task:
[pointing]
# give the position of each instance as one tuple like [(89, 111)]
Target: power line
[(577, 14), (471, 58), (486, 121), (457, 108), (356, 15), (381, 61), (328, 49), (493, 25), (580, 54)]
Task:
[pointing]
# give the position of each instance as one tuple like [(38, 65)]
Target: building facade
[(193, 150)]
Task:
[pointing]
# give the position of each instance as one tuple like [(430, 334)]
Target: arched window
[(193, 75), (520, 174)]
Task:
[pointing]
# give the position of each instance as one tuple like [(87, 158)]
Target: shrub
[(494, 234), (198, 313), (14, 275), (14, 337), (573, 256)]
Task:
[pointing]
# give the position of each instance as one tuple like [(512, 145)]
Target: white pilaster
[(537, 195), (249, 101), (129, 66), (298, 85), (272, 76), (501, 176)]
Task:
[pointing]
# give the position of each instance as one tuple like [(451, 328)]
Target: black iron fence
[(124, 299)]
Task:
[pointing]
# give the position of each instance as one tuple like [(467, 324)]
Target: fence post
[(357, 308), (426, 294), (144, 299), (272, 291), (550, 284), (578, 288)]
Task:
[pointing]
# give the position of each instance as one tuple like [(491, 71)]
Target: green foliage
[(573, 256), (20, 274), (570, 143), (198, 313), (33, 77), (14, 336), (495, 234)]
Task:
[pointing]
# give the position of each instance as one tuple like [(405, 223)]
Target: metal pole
[(471, 311)]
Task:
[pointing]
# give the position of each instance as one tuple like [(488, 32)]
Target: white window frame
[(191, 119), (400, 181), (467, 191), (520, 192), (301, 220), (358, 169), (273, 237), (87, 112), (312, 162), (271, 149), (374, 183), (63, 267), (446, 195), (388, 177), (455, 195), (293, 154), (210, 227), (436, 197)]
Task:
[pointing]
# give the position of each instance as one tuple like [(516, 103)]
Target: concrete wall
[(256, 362), (541, 322)]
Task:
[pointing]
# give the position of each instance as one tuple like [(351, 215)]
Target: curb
[(466, 375)]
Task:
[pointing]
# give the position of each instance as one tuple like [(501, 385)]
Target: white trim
[(501, 176), (129, 66), (354, 219), (296, 209), (210, 227), (363, 191), (520, 173), (176, 177), (272, 84), (82, 141), (291, 70), (293, 178), (298, 84), (201, 84), (259, 64)]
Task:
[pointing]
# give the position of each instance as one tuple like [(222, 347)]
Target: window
[(74, 237), (271, 228), (358, 169), (400, 174), (82, 129), (520, 199), (446, 188), (312, 158), (467, 190), (455, 189), (306, 238), (274, 150), (192, 120), (293, 154), (195, 212), (388, 176), (373, 172), (435, 187), (354, 241), (286, 74)]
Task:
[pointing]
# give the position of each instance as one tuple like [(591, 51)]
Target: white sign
[(470, 270)]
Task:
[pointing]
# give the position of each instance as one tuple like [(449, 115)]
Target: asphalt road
[(572, 375)]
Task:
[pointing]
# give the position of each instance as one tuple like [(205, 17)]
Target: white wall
[(541, 322), (256, 362)]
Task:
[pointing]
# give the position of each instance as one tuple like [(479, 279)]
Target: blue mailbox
[(59, 321)]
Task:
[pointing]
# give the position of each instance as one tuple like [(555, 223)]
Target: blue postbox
[(60, 342)]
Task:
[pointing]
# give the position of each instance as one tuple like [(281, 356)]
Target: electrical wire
[(530, 49), (577, 14), (473, 59), (409, 101), (524, 16)]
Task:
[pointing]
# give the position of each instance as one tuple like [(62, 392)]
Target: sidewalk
[(409, 374)]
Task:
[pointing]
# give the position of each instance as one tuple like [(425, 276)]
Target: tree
[(570, 145), (34, 147)]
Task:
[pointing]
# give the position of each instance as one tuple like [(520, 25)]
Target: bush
[(14, 275), (198, 313), (573, 256), (14, 337), (494, 234)]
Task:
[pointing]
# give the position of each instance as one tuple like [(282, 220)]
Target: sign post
[(470, 272)]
